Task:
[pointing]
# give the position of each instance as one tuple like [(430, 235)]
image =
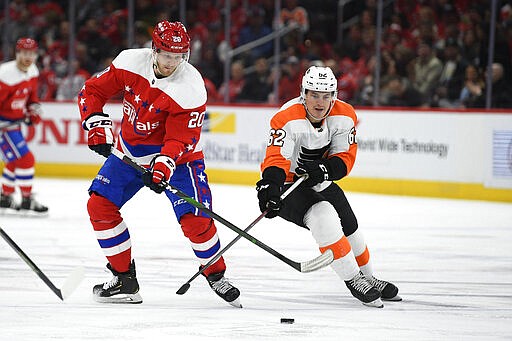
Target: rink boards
[(452, 154)]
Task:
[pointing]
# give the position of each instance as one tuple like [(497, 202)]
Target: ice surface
[(451, 259)]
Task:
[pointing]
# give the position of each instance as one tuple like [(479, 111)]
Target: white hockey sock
[(359, 247), (345, 267), (324, 223)]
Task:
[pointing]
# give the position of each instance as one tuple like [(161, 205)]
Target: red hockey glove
[(100, 136), (159, 175), (34, 114)]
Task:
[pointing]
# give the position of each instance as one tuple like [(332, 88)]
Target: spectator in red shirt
[(235, 84), (290, 81)]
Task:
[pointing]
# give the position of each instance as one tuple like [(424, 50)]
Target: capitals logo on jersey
[(131, 113)]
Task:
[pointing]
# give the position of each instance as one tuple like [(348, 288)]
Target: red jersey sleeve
[(98, 89)]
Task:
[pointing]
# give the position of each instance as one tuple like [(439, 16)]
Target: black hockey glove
[(317, 171), (269, 197), (321, 170)]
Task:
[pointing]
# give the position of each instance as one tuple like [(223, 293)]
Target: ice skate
[(364, 291), (8, 205), (224, 289), (122, 288), (30, 206), (388, 291)]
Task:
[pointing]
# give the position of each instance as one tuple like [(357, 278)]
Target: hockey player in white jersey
[(164, 104), (315, 135)]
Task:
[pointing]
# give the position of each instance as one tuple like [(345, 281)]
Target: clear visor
[(27, 53), (166, 57)]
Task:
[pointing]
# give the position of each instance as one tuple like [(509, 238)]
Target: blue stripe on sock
[(210, 252), (106, 243)]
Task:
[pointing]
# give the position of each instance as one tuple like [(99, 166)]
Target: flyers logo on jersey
[(307, 155)]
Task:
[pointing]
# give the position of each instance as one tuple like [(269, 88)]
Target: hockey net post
[(319, 262)]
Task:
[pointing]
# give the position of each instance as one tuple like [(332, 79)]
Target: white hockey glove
[(100, 137)]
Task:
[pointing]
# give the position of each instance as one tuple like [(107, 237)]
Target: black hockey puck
[(287, 320)]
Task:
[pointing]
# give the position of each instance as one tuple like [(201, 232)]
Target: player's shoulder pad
[(133, 60), (291, 110), (186, 87), (10, 74), (342, 108)]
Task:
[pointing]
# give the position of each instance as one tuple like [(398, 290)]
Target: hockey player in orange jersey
[(315, 135)]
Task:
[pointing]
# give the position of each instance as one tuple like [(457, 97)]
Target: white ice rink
[(451, 259)]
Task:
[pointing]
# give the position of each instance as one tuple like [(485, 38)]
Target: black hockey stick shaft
[(195, 203), (31, 264), (184, 288)]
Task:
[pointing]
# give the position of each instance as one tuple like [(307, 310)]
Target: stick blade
[(72, 282), (319, 262), (184, 288)]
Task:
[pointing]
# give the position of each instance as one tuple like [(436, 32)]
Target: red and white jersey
[(159, 115), (294, 140), (18, 89)]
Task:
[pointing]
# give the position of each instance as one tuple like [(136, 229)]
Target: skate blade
[(393, 299), (236, 303), (375, 304), (120, 299), (9, 212)]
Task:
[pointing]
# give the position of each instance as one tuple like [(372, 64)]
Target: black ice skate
[(224, 289), (8, 205), (388, 291), (364, 291), (31, 206), (122, 288)]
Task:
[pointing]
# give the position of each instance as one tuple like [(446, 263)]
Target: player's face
[(25, 58), (167, 62), (318, 104)]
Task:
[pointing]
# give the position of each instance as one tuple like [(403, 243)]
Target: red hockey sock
[(203, 237), (111, 232)]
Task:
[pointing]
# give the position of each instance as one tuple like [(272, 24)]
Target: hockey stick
[(321, 261), (184, 288), (71, 283)]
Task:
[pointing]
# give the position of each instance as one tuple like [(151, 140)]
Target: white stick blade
[(72, 282), (319, 262)]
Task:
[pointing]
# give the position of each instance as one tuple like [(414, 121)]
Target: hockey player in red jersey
[(315, 135), (163, 110), (19, 104)]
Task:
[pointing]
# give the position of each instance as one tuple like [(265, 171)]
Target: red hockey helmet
[(26, 44), (171, 37)]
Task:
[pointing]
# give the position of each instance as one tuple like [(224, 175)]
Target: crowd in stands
[(433, 52)]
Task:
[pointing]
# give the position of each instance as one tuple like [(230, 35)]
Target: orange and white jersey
[(294, 140)]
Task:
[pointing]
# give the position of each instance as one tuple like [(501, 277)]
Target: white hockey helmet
[(319, 78)]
